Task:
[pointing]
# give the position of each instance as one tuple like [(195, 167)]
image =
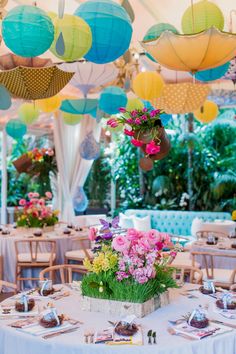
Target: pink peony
[(152, 148), (122, 110), (120, 243), (92, 233), (48, 195), (31, 195), (22, 202), (136, 142), (128, 132)]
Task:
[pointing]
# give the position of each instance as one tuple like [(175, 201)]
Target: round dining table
[(64, 243), (14, 341)]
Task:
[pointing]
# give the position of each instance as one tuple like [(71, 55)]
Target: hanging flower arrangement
[(145, 128)]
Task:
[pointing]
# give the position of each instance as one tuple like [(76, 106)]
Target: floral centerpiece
[(145, 128), (35, 212), (128, 265)]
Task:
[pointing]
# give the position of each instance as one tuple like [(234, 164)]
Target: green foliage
[(126, 290)]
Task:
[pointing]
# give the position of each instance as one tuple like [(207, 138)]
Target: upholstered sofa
[(174, 221)]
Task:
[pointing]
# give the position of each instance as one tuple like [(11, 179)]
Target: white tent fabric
[(73, 170)]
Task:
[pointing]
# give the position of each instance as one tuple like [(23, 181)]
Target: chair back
[(7, 285), (209, 263), (65, 270), (84, 244), (183, 272), (34, 248)]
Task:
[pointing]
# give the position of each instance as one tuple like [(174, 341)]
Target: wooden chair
[(33, 257), (184, 272), (204, 234), (5, 295), (65, 270), (222, 277), (80, 254)]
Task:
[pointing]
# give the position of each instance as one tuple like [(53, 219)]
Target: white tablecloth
[(64, 243), (13, 341)]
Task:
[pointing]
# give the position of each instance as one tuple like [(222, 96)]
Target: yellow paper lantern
[(72, 39), (28, 113), (134, 103), (201, 16), (72, 119), (207, 113), (49, 105), (148, 85)]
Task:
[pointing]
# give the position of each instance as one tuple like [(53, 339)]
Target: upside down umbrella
[(35, 83), (80, 106), (89, 75), (181, 98), (201, 51)]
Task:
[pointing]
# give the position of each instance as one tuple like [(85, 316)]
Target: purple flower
[(122, 110)]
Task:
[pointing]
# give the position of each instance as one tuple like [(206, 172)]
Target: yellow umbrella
[(201, 51), (181, 98), (35, 83)]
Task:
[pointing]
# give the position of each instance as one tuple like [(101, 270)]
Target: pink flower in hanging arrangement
[(136, 142), (134, 113), (145, 109), (152, 148), (122, 110), (138, 121), (143, 117), (22, 202), (113, 123), (130, 121), (48, 195), (128, 132)]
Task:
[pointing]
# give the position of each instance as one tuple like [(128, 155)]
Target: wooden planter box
[(120, 308)]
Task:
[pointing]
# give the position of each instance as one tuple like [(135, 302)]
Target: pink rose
[(128, 132), (35, 195), (120, 243), (92, 233), (132, 235), (34, 200), (22, 202), (31, 195), (136, 142), (152, 236), (48, 195), (152, 148), (122, 110), (41, 202)]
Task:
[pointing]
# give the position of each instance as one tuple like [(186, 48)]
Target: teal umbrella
[(80, 106)]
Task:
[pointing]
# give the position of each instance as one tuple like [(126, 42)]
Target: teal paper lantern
[(27, 31), (81, 106), (5, 98), (16, 129), (212, 74), (111, 29), (111, 99), (155, 31), (80, 200)]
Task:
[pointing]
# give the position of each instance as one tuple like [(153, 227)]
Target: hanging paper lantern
[(134, 103), (27, 31), (80, 200), (48, 105), (212, 74), (155, 31), (28, 113), (165, 118), (148, 85), (111, 99), (16, 128), (201, 16), (80, 106), (5, 98), (72, 119), (89, 148), (111, 29), (207, 113), (148, 105), (73, 38)]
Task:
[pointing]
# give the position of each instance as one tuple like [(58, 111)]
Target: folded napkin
[(37, 330)]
